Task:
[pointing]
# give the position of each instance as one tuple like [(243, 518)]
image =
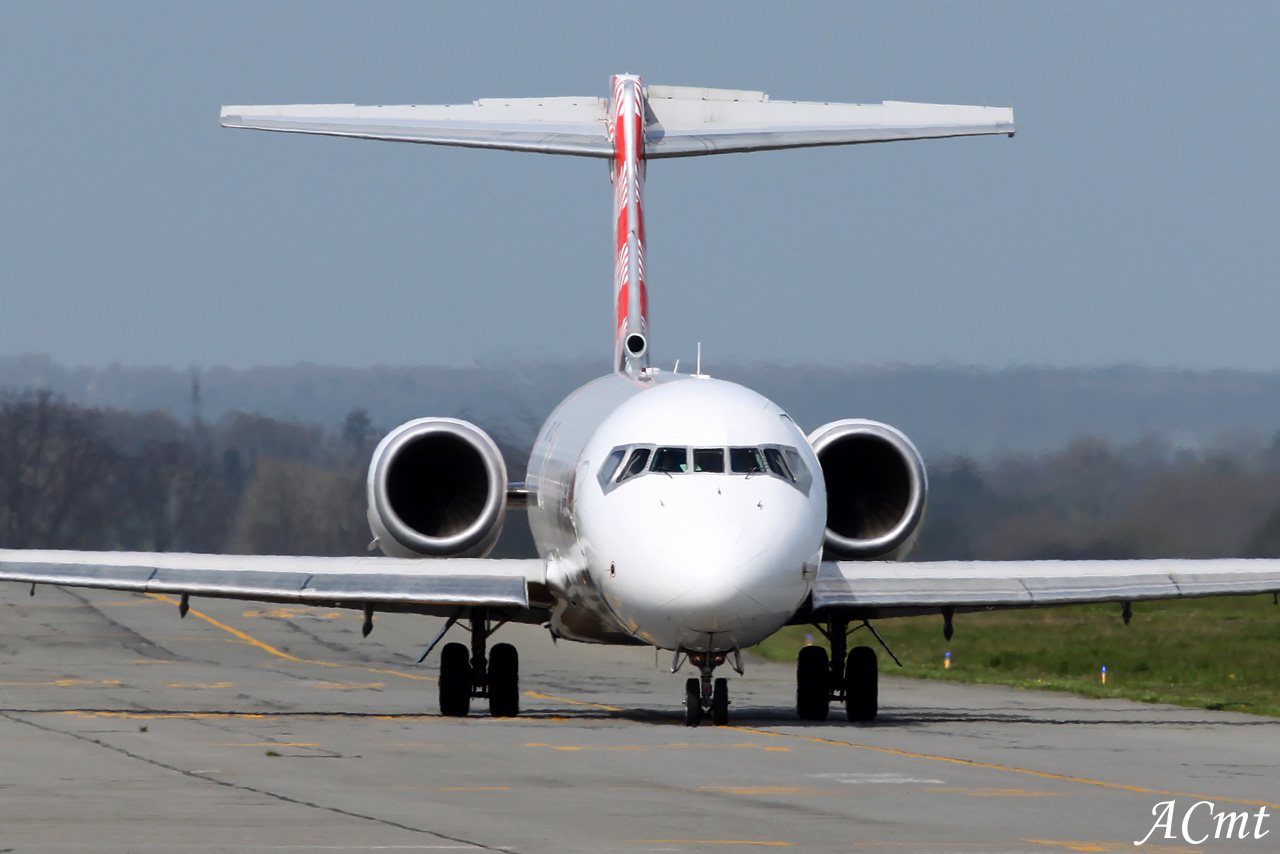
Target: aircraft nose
[(719, 580), (724, 592)]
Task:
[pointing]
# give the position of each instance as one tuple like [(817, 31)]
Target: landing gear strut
[(464, 675), (704, 696), (851, 676)]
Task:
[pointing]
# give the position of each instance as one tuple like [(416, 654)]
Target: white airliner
[(669, 510)]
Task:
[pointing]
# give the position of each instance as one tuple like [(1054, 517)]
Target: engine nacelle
[(877, 489), (437, 488)]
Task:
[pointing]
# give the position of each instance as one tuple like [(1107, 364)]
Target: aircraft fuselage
[(679, 511)]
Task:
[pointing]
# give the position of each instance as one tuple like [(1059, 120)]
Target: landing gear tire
[(861, 684), (692, 702), (720, 703), (813, 684), (504, 681), (455, 681)]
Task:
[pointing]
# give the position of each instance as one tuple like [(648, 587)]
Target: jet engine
[(437, 488), (876, 489)]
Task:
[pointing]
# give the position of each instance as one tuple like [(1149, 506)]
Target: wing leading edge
[(885, 589), (394, 584)]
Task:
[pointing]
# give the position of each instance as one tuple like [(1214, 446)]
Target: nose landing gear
[(704, 696), (495, 676)]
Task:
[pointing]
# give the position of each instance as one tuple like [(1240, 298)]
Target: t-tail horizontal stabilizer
[(679, 122)]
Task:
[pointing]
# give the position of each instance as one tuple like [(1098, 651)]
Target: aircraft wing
[(878, 588), (680, 121), (383, 583)]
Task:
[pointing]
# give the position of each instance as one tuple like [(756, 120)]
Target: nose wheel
[(703, 696), (692, 702)]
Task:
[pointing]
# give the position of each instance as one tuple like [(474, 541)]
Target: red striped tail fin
[(631, 127), (627, 111)]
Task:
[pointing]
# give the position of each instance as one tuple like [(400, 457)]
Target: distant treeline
[(944, 409), (1095, 500), (79, 478), (82, 478)]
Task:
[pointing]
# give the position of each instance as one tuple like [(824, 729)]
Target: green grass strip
[(1218, 653)]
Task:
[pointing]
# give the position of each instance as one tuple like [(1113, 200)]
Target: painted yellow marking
[(350, 686), (932, 845), (634, 747), (148, 716), (78, 604), (254, 744), (703, 842), (152, 716), (997, 793), (252, 641), (62, 683), (200, 684), (291, 613), (456, 788), (538, 696), (949, 759), (766, 790), (640, 748), (265, 647), (1149, 848), (97, 635), (993, 767)]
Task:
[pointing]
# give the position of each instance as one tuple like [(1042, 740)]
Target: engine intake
[(877, 489), (437, 487)]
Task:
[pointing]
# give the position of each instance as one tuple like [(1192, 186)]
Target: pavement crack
[(138, 643), (195, 775)]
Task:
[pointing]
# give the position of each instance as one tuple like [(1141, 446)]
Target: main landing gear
[(704, 696), (851, 677), (466, 675)]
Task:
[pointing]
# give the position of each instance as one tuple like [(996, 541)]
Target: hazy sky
[(1133, 218)]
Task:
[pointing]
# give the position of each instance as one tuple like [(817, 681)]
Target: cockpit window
[(778, 465), (611, 463), (781, 461), (746, 460), (801, 476), (635, 465), (708, 459), (671, 460)]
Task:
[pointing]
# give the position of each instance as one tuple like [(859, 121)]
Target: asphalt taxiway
[(249, 727)]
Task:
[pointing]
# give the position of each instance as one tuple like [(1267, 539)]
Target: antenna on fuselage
[(698, 371)]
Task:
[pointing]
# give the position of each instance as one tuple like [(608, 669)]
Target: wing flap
[(478, 582), (882, 585)]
